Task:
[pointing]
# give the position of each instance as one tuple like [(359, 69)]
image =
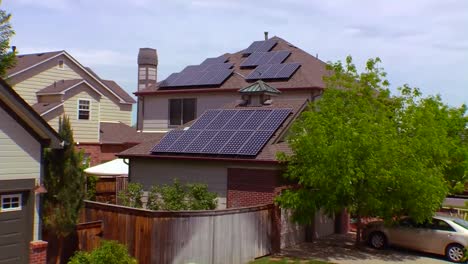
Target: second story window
[(182, 111), (84, 109)]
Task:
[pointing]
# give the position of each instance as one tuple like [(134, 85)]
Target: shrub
[(108, 252), (91, 181), (131, 197), (177, 197)]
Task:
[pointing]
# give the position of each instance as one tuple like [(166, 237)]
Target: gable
[(73, 67)]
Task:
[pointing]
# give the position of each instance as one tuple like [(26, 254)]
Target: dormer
[(257, 94)]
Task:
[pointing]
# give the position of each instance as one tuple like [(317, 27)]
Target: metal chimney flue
[(266, 35)]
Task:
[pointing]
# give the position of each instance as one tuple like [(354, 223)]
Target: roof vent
[(266, 35)]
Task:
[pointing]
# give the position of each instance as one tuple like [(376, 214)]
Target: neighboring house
[(23, 135), (232, 149), (184, 96), (55, 83)]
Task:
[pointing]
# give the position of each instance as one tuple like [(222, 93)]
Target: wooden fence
[(220, 236)]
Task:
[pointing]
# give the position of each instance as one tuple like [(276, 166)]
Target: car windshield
[(461, 223)]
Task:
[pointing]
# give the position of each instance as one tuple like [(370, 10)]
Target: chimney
[(266, 35), (147, 68)]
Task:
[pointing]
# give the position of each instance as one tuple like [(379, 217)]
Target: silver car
[(444, 236)]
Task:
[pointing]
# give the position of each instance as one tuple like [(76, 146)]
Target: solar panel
[(167, 141), (208, 67), (184, 140), (275, 119), (221, 119), (193, 77), (218, 141), (260, 58), (255, 143), (220, 59), (203, 121), (260, 46), (238, 119), (200, 142), (273, 71), (225, 132), (256, 119), (236, 142)]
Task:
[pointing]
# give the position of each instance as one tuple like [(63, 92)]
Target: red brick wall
[(38, 252), (248, 187), (94, 151)]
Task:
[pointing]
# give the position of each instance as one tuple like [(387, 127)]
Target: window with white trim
[(84, 107), (10, 202)]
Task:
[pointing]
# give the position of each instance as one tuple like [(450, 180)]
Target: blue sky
[(422, 42)]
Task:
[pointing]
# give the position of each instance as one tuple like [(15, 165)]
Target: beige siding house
[(23, 135), (55, 84)]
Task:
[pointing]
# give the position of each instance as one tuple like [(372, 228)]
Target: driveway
[(341, 249)]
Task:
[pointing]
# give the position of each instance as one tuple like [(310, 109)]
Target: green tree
[(65, 181), (7, 56), (199, 198), (131, 196), (360, 148), (108, 252)]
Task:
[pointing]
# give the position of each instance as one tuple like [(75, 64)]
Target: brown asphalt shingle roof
[(269, 151), (309, 75), (41, 108), (59, 86), (119, 133), (25, 61), (119, 91)]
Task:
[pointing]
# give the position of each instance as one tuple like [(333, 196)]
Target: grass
[(276, 260)]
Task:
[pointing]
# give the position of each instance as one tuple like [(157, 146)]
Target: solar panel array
[(260, 58), (225, 132), (212, 71), (260, 46), (273, 71)]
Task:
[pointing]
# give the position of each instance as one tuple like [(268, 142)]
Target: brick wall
[(248, 187), (94, 151), (38, 252)]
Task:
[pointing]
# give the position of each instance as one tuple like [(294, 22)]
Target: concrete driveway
[(341, 249)]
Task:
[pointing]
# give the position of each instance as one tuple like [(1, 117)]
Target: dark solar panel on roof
[(260, 46), (273, 71), (260, 58), (220, 59), (225, 132)]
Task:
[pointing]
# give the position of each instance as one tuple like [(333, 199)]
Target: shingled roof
[(267, 154), (308, 76), (27, 61)]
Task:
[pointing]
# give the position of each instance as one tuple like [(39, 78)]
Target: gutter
[(217, 90), (123, 156)]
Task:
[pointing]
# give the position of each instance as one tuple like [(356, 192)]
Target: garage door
[(15, 227)]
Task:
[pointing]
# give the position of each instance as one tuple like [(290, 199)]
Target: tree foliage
[(65, 181), (358, 147), (7, 56), (108, 252)]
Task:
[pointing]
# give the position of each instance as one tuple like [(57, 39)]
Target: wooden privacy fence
[(220, 236)]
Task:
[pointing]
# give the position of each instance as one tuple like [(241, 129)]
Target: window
[(441, 225), (60, 64), (142, 73), (181, 111), (10, 202), (152, 74), (83, 109)]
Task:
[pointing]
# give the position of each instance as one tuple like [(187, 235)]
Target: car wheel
[(455, 252), (378, 240)]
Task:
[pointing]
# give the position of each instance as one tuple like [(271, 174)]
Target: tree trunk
[(59, 249), (358, 230)]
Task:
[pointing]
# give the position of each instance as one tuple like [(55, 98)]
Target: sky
[(423, 43)]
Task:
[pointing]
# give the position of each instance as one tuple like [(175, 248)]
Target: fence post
[(276, 229)]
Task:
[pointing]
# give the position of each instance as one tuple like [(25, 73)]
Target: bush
[(108, 252), (131, 197), (91, 181), (177, 197)]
